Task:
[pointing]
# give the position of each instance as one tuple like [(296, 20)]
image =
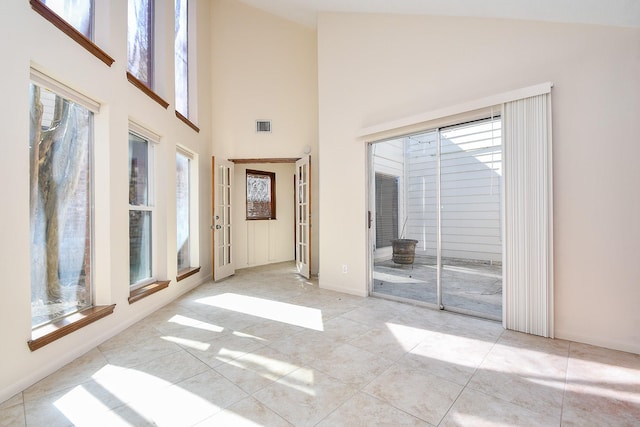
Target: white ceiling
[(624, 13)]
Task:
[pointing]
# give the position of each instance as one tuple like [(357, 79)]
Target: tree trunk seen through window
[(60, 206)]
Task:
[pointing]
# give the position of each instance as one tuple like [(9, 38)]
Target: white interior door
[(303, 215), (222, 180)]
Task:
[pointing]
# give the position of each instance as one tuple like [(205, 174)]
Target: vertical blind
[(528, 220)]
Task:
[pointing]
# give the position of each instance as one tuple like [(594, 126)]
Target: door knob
[(218, 227)]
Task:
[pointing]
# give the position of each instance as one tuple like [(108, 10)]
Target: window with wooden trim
[(181, 45), (61, 197), (183, 210), (261, 195), (140, 40), (77, 13), (75, 19), (141, 210)]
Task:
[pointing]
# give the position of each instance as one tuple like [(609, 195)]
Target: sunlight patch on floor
[(306, 317)]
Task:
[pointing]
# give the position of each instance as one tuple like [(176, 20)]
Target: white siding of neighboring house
[(470, 193)]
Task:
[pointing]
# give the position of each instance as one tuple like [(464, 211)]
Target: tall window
[(140, 210), (261, 195), (140, 40), (78, 13), (183, 207), (60, 156), (182, 58)]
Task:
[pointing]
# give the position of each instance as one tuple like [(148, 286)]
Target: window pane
[(181, 58), (183, 215), (138, 170), (139, 246), (60, 206), (258, 196), (78, 13), (140, 39)]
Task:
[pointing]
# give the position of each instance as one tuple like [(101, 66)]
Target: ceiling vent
[(263, 126)]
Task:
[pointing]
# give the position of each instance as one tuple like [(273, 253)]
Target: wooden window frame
[(272, 201), (70, 31)]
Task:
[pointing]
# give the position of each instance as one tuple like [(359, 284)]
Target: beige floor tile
[(225, 348), (304, 346), (480, 410), (391, 340), (341, 329), (305, 396), (540, 394), (12, 401), (416, 392), (593, 406), (351, 365), (603, 387), (257, 369), (78, 405), (140, 351), (74, 373), (365, 410), (268, 331), (12, 415), (528, 355), (246, 413), (448, 356), (139, 331), (174, 367), (190, 401)]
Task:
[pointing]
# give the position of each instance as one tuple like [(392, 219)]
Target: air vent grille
[(263, 125)]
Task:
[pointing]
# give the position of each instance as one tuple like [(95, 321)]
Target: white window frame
[(192, 62), (194, 258), (152, 139), (152, 42), (60, 89)]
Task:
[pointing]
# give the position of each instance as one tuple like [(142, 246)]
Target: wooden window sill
[(183, 274), (53, 331), (147, 90), (69, 30), (145, 291), (188, 122)]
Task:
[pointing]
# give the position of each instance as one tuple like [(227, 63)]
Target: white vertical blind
[(528, 224)]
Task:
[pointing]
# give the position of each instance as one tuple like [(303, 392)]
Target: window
[(78, 13), (75, 19), (183, 209), (182, 58), (261, 195), (140, 210), (140, 40), (61, 190)]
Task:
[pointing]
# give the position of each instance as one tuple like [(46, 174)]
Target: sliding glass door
[(447, 183)]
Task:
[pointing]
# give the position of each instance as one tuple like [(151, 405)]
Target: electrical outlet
[(345, 270)]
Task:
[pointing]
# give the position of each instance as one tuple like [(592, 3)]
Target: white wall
[(30, 39), (259, 242), (377, 68), (264, 68)]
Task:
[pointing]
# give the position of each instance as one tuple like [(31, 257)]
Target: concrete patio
[(466, 284)]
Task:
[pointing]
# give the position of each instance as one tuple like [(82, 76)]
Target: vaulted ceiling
[(624, 13)]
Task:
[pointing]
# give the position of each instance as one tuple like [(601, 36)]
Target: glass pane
[(258, 196), (181, 58), (140, 40), (405, 172), (182, 210), (138, 171), (60, 140), (78, 13), (471, 169), (139, 246)]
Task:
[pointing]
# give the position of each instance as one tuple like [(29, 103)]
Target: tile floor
[(267, 348)]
